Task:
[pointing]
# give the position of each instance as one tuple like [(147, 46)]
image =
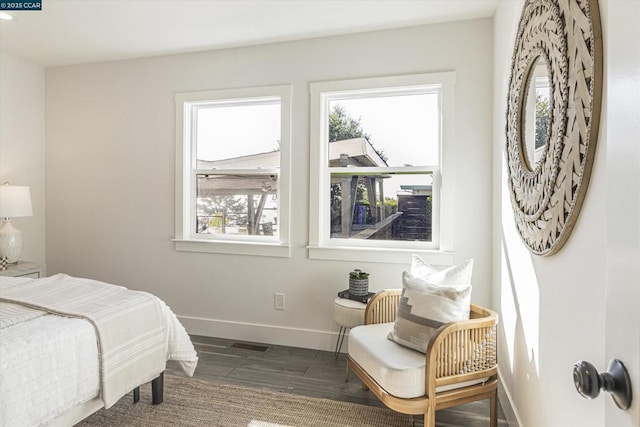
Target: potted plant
[(358, 283)]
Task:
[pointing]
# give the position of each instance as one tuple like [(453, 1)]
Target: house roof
[(358, 152)]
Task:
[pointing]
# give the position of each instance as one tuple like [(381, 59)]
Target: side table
[(34, 270), (348, 314)]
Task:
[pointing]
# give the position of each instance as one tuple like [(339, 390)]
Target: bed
[(58, 366)]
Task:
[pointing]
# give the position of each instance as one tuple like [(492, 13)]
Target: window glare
[(230, 131), (406, 128)]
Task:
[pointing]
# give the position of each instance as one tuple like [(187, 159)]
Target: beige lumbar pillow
[(430, 301)]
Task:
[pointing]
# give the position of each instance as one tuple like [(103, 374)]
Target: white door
[(621, 22)]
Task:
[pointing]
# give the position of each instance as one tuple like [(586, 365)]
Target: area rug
[(190, 402)]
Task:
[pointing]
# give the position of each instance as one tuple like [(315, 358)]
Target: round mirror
[(553, 111), (536, 113)]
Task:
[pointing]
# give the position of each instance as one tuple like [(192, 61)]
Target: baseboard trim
[(266, 334), (506, 402)]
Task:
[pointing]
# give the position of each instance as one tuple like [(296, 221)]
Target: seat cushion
[(397, 369)]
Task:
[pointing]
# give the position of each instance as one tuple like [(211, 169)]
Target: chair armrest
[(464, 350), (382, 307)]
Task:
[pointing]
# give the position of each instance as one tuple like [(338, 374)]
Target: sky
[(232, 131)]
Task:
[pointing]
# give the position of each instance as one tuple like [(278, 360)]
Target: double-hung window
[(232, 179), (377, 149)]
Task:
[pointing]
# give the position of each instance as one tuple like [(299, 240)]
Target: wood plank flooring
[(306, 372)]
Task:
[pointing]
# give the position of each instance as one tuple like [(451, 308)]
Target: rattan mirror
[(562, 42)]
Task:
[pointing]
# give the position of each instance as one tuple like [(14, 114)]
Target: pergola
[(262, 184), (246, 185), (354, 154)]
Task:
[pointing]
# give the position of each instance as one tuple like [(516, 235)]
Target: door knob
[(616, 381)]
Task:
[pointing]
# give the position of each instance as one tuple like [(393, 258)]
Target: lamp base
[(10, 242)]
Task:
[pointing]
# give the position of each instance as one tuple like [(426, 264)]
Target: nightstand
[(34, 270), (348, 314)]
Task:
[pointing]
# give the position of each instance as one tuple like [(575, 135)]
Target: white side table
[(348, 314)]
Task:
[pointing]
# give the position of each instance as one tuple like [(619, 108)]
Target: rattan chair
[(461, 353)]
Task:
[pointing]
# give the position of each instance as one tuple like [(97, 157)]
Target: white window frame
[(185, 204), (321, 246)]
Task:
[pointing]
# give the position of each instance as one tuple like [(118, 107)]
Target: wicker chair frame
[(460, 351)]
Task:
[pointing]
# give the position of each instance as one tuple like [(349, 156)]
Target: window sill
[(383, 255), (234, 248)]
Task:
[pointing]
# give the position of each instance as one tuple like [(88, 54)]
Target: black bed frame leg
[(157, 389)]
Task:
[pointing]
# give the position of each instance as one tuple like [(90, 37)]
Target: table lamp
[(15, 201)]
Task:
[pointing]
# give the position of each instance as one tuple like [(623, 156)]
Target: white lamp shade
[(15, 201)]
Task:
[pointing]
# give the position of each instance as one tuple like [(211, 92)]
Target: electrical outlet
[(278, 301)]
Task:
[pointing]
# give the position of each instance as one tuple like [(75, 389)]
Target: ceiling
[(69, 32)]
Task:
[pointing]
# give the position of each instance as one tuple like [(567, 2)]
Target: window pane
[(237, 205), (241, 135), (383, 131), (381, 207)]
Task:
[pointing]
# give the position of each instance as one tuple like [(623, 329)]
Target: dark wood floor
[(306, 372)]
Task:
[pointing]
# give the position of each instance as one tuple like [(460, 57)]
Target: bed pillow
[(426, 304)]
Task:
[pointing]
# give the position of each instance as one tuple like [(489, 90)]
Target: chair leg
[(494, 410), (430, 417), (341, 335), (136, 394)]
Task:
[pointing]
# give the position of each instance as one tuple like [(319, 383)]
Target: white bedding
[(49, 364)]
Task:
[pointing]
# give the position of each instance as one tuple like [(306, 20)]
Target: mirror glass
[(536, 114)]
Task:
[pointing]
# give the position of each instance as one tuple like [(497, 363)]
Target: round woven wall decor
[(547, 196)]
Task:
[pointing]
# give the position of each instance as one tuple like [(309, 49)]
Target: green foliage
[(542, 120), (358, 274), (219, 211), (342, 126), (216, 221), (222, 204), (390, 201)]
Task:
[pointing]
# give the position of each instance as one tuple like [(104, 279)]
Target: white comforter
[(49, 364)]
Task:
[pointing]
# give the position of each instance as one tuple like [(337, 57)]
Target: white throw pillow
[(456, 276), (430, 301)]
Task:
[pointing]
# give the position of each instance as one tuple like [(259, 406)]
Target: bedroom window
[(232, 171), (377, 166)]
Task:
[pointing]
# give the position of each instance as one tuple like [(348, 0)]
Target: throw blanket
[(129, 326)]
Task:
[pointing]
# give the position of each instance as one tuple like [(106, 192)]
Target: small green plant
[(358, 274)]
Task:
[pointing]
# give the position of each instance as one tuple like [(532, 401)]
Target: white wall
[(22, 140), (110, 175), (552, 308)]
